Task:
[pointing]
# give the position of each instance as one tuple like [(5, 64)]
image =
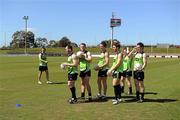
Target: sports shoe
[(129, 93), (99, 96), (113, 100), (39, 82), (72, 101), (90, 98), (117, 101), (140, 101), (82, 98), (103, 97), (48, 82)]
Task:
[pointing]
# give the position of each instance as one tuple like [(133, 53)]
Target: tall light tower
[(112, 31), (114, 22), (25, 18)]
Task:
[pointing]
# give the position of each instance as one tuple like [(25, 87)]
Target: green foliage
[(19, 38)]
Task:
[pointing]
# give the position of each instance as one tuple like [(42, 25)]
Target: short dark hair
[(43, 47), (104, 43), (117, 44), (69, 47), (83, 44), (140, 44)]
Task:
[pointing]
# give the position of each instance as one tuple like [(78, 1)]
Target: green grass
[(92, 49), (18, 85)]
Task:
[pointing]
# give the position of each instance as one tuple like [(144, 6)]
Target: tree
[(53, 43), (74, 44), (18, 39), (40, 42), (64, 42)]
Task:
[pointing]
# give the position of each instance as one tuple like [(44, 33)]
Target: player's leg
[(82, 87), (117, 87), (104, 82), (136, 82), (39, 77), (87, 78), (117, 91), (128, 79), (99, 87), (47, 76), (137, 89), (141, 85), (71, 83), (40, 74), (142, 89), (72, 88), (122, 83)]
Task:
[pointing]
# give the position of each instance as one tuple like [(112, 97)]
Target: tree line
[(19, 38)]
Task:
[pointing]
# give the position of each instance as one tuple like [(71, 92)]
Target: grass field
[(92, 49), (18, 85)]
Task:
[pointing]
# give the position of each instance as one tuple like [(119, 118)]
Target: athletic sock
[(142, 96), (122, 89), (119, 91), (115, 92), (130, 90), (73, 91), (82, 94), (89, 94), (90, 97), (137, 95)]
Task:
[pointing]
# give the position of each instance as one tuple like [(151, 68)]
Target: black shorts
[(102, 73), (127, 73), (72, 77), (43, 68), (85, 73), (139, 75), (117, 75)]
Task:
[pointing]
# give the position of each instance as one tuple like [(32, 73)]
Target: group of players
[(125, 64)]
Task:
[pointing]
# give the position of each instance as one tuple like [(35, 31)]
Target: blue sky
[(149, 21)]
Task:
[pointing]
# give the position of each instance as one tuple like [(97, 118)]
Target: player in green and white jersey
[(85, 71), (72, 64), (43, 65), (116, 71), (140, 63), (127, 71), (102, 68)]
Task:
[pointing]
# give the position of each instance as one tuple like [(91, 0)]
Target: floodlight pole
[(112, 31), (167, 48), (25, 18), (5, 38)]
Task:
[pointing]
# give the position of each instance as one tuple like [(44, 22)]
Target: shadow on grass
[(153, 93), (94, 99), (158, 100), (126, 96), (100, 100), (126, 99), (59, 83)]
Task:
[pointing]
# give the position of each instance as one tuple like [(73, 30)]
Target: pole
[(5, 38), (151, 48), (112, 35), (25, 36), (112, 31), (25, 46)]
